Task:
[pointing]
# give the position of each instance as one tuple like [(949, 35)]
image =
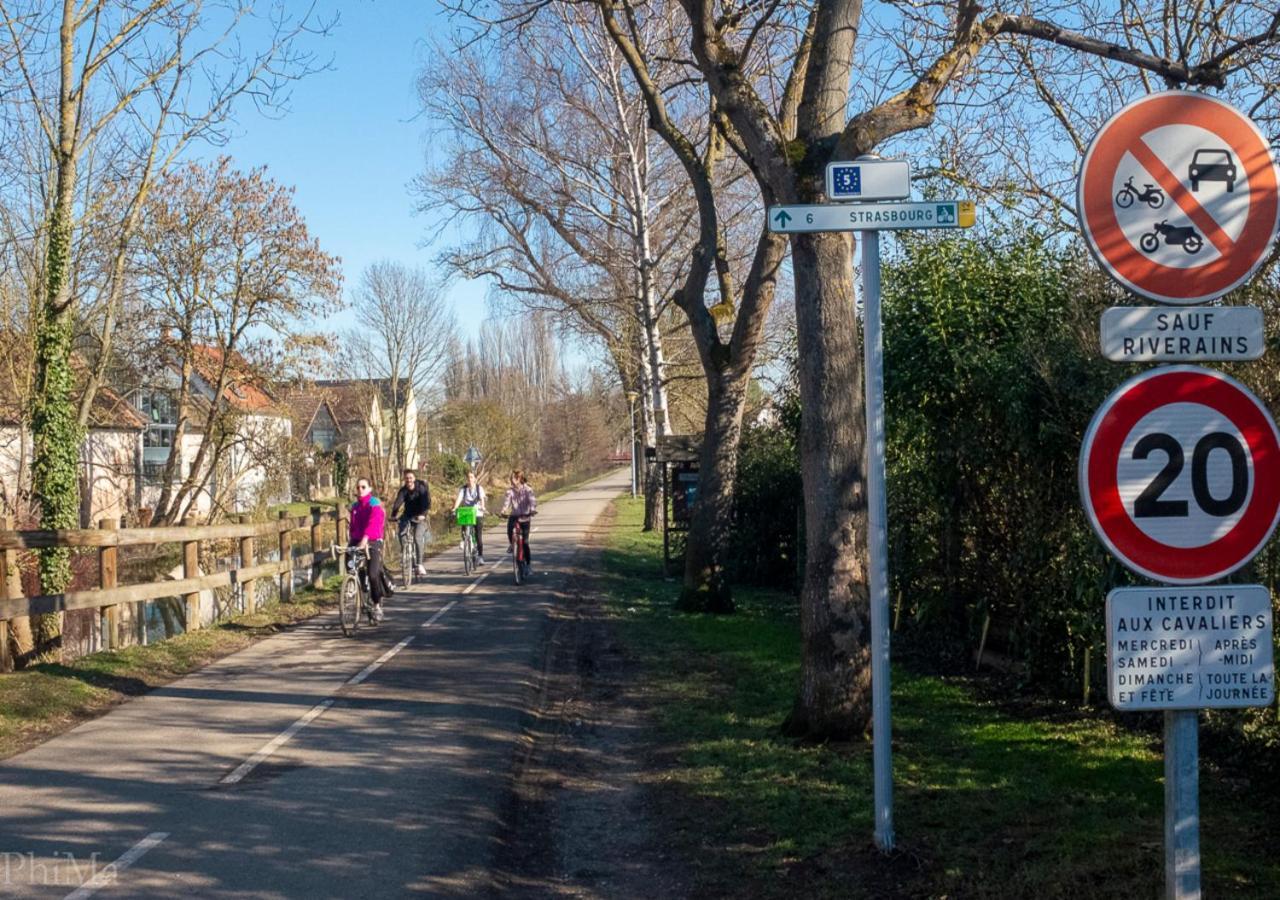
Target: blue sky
[(352, 141)]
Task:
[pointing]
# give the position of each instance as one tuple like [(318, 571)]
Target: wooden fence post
[(341, 527), (286, 556), (247, 559), (8, 579), (317, 579), (108, 577), (191, 569)]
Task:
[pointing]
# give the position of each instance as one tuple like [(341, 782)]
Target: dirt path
[(584, 816)]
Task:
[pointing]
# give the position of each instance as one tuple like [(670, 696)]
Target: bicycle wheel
[(517, 560), (1124, 199), (406, 561), (466, 551), (349, 605)]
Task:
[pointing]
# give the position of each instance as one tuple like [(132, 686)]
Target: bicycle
[(409, 558), (519, 552), (467, 521), (353, 594)]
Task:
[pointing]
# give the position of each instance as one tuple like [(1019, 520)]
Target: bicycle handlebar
[(338, 548)]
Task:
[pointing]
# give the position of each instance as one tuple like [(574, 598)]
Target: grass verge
[(991, 801), (45, 700)]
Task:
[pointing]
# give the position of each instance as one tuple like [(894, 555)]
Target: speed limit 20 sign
[(1180, 474)]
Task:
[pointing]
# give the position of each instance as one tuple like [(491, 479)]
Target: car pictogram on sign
[(1180, 474), (1178, 197), (1212, 165)]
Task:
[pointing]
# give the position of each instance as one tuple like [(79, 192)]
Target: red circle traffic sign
[(1180, 474), (1177, 197)]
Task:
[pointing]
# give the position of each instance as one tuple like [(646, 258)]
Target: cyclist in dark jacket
[(415, 498)]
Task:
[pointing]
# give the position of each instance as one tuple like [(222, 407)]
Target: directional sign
[(871, 216), (1180, 474), (1190, 648), (869, 179), (1151, 333), (1178, 197)]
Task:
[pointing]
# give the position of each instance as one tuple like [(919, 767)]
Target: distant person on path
[(472, 494), (415, 498), (520, 505), (368, 518)]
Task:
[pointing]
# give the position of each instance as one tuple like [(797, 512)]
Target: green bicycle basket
[(466, 515)]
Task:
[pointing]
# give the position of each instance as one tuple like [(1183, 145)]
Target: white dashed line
[(440, 612), (285, 736), (276, 743), (111, 874), (377, 663)]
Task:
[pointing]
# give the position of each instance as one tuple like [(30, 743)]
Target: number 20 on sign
[(1180, 474)]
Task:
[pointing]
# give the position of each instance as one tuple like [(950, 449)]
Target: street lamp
[(632, 396)]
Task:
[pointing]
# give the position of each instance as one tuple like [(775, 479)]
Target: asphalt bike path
[(308, 765)]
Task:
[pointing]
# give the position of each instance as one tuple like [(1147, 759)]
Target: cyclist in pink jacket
[(368, 517)]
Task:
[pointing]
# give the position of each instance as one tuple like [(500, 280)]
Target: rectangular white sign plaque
[(1192, 334), (869, 179), (1202, 647), (871, 216)]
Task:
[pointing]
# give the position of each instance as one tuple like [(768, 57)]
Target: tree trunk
[(706, 584), (55, 432), (835, 686)]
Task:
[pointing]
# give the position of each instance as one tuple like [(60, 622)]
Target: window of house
[(324, 438), (162, 416)]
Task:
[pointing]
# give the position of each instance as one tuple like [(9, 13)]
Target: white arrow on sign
[(871, 216), (1152, 334)]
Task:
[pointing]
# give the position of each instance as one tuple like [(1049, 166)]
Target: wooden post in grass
[(191, 569), (108, 577), (343, 530), (317, 579), (286, 556), (247, 558), (10, 587)]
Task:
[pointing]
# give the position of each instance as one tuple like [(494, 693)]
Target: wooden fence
[(109, 595)]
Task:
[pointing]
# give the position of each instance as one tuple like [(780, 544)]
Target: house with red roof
[(254, 429)]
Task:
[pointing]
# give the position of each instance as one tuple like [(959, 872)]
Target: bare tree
[(787, 145), (120, 72), (224, 258), (407, 333)]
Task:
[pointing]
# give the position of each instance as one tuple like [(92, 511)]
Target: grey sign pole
[(878, 540), (1182, 804)]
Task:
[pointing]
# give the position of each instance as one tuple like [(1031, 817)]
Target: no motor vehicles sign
[(1178, 197), (1180, 474)]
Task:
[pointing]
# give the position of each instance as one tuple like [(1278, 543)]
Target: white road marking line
[(474, 584), (377, 663), (276, 743), (440, 612), (281, 739), (110, 874)]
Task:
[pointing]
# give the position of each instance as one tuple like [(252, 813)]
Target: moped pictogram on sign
[(1178, 197), (1180, 474)]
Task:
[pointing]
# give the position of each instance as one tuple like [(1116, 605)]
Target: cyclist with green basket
[(470, 509)]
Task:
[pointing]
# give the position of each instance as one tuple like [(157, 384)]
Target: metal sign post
[(888, 178), (878, 538), (1182, 804)]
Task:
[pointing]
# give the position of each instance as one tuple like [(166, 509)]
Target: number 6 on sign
[(1179, 474)]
